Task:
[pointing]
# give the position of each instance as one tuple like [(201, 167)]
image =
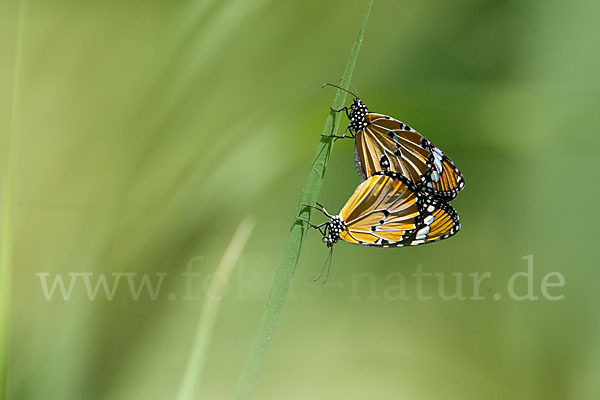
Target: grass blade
[(291, 252), (6, 214), (210, 307)]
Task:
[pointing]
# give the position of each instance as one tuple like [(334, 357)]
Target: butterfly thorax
[(358, 110), (334, 228)]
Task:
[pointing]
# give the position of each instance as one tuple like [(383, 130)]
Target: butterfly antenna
[(328, 265), (351, 84), (339, 87), (354, 87)]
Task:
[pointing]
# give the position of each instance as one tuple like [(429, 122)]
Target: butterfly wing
[(437, 221), (389, 145), (388, 211), (382, 210)]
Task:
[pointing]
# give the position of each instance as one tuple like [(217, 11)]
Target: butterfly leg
[(317, 227), (344, 136), (341, 109), (308, 222), (345, 109), (317, 207), (323, 210), (334, 136)]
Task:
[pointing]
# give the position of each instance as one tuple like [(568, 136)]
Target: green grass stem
[(6, 213), (287, 266)]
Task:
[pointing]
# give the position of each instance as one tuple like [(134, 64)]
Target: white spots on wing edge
[(422, 233), (438, 164)]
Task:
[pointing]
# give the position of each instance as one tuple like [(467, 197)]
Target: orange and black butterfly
[(384, 144), (387, 210)]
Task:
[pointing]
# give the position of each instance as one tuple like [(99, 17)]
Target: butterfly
[(384, 144), (387, 210)]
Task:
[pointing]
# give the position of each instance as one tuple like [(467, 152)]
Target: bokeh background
[(150, 129)]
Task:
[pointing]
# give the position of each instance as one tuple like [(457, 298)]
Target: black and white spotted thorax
[(334, 228), (358, 110)]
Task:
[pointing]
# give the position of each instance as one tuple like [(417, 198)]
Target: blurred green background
[(149, 129)]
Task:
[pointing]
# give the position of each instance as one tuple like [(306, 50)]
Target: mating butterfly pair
[(407, 183)]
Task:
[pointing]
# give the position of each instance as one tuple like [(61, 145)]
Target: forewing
[(389, 145), (443, 179)]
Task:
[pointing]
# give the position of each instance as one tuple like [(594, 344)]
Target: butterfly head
[(358, 110), (334, 228)]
